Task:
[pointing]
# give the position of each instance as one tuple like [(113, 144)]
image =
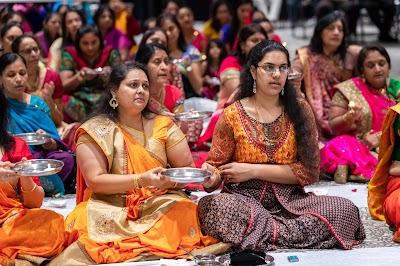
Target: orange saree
[(26, 234), (137, 225), (384, 190)]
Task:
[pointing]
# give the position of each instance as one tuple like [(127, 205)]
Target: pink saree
[(346, 149)]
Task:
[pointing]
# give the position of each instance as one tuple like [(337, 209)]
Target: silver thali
[(38, 167), (34, 138), (193, 115), (186, 175)]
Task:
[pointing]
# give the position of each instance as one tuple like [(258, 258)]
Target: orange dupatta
[(135, 153), (377, 185)]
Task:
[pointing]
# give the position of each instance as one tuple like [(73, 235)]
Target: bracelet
[(135, 181), (34, 187), (217, 171), (175, 185)]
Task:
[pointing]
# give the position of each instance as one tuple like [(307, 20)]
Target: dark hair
[(224, 53), (316, 43), (166, 2), (150, 33), (367, 49), (244, 34), (118, 74), (18, 40), (182, 45), (146, 23), (67, 41), (235, 24), (88, 28), (9, 15), (8, 26), (255, 10), (291, 100), (145, 52), (103, 8), (9, 58), (6, 140), (215, 24), (46, 34)]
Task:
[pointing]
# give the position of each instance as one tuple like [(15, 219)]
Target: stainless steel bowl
[(38, 167), (34, 138), (186, 175)]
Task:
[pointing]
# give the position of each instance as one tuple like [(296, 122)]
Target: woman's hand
[(371, 141), (236, 172), (87, 73), (6, 174), (50, 145), (296, 81), (215, 178), (47, 93), (155, 181)]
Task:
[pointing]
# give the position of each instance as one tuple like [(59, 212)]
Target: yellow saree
[(137, 225)]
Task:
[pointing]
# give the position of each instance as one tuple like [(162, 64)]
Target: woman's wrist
[(51, 145)]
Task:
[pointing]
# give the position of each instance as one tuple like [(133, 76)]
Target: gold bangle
[(34, 187), (175, 185), (135, 181)]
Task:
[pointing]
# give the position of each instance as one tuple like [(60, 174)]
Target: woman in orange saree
[(126, 210), (384, 187), (27, 234)]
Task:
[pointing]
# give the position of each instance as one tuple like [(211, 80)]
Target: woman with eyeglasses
[(358, 108), (264, 151), (42, 81), (325, 62), (8, 34)]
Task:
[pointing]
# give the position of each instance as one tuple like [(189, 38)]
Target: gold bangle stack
[(24, 191)]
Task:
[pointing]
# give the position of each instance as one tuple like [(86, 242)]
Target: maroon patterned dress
[(261, 215)]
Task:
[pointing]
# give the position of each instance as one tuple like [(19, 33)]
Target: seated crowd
[(109, 106)]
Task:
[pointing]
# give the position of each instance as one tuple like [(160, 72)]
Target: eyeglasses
[(29, 50), (269, 68)]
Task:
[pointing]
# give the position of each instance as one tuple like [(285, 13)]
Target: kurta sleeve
[(223, 143), (306, 168)]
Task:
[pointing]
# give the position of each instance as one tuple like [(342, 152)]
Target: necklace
[(33, 87), (144, 133), (269, 142)]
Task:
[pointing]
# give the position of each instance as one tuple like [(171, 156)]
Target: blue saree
[(28, 118)]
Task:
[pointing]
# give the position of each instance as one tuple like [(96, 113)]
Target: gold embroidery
[(104, 224), (192, 232)]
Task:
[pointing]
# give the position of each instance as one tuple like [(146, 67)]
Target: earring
[(282, 92), (254, 87), (113, 102), (363, 78)]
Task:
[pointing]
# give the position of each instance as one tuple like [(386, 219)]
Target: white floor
[(364, 256)]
